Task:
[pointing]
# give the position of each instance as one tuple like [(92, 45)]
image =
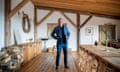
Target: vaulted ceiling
[(100, 7)]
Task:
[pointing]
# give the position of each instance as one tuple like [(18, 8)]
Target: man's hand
[(66, 37), (57, 37)]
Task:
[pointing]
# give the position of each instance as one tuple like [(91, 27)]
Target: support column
[(78, 31), (7, 23), (35, 24)]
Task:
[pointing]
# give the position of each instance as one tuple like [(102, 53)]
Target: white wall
[(95, 22), (1, 23), (16, 25), (42, 28)]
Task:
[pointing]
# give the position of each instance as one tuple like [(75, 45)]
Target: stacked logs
[(11, 58)]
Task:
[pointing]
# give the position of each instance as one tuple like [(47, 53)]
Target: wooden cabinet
[(31, 50), (25, 54), (38, 48)]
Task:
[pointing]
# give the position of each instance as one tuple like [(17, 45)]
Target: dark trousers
[(65, 50)]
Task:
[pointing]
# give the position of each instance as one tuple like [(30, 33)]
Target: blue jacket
[(57, 33)]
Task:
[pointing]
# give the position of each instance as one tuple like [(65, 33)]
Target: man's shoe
[(57, 68), (67, 67)]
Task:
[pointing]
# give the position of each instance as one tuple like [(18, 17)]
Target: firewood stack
[(11, 58)]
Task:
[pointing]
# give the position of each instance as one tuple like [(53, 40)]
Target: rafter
[(68, 19), (17, 8), (105, 8), (85, 22), (45, 17)]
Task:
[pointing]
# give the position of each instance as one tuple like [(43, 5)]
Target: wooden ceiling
[(98, 7)]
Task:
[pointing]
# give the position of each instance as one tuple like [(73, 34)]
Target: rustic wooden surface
[(102, 7), (46, 63), (112, 57)]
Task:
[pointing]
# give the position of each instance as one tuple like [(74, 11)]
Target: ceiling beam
[(98, 8), (85, 22), (45, 17), (56, 9), (68, 19)]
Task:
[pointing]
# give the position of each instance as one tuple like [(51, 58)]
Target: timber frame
[(105, 8), (76, 11), (77, 26), (9, 14)]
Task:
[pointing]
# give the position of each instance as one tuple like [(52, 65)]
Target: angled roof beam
[(17, 8), (68, 19), (85, 22), (45, 17)]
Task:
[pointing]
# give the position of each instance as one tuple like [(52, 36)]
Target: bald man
[(61, 34)]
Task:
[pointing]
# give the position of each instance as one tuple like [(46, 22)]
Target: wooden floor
[(46, 63)]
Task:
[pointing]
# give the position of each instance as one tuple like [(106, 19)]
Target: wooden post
[(35, 24), (7, 23), (78, 31)]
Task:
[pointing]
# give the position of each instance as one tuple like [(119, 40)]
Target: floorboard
[(46, 63)]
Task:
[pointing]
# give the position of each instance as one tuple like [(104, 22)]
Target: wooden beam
[(17, 8), (56, 9), (7, 23), (75, 11), (99, 7), (68, 19), (78, 31), (85, 22), (45, 17), (35, 23)]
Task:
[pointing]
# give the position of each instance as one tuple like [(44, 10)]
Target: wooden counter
[(105, 61), (31, 50)]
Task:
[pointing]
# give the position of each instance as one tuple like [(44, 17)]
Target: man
[(61, 34)]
